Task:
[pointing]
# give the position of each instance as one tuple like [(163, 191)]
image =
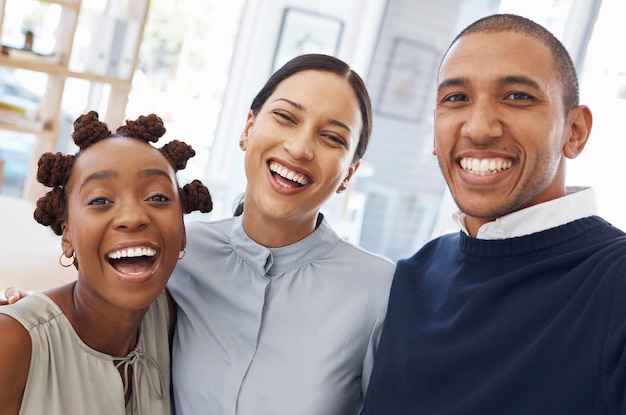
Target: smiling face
[(299, 151), (501, 133), (124, 221)]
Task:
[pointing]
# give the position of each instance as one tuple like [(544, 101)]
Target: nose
[(300, 144), (482, 123), (130, 216)]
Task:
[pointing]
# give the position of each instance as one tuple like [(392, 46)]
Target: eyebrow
[(99, 175), (452, 82), (507, 80), (301, 108), (153, 172), (110, 174), (519, 79), (290, 102)]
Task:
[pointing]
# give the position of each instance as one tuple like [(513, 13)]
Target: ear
[(579, 121), (344, 182), (243, 140), (66, 241)]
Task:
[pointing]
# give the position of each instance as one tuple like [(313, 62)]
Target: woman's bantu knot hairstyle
[(89, 130), (50, 209), (146, 128), (196, 196), (53, 170), (177, 153)]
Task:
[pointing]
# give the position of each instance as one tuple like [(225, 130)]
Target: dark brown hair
[(54, 170)]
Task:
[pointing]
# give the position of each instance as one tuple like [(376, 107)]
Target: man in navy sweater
[(524, 310)]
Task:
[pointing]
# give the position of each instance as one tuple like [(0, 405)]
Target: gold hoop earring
[(184, 251), (67, 265)]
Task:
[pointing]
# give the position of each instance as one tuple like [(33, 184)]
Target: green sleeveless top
[(67, 377)]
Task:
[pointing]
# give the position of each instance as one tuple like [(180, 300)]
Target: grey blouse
[(291, 330)]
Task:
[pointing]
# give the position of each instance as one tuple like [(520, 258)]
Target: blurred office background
[(201, 62)]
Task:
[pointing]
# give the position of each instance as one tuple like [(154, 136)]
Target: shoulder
[(15, 351), (206, 233), (14, 335), (358, 258), (366, 275), (602, 247), (444, 244), (210, 225)]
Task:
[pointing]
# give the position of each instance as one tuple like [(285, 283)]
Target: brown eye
[(283, 115), (98, 201), (516, 96), (159, 198), (456, 98), (335, 139)]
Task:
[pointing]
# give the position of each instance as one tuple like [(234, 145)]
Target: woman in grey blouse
[(276, 313)]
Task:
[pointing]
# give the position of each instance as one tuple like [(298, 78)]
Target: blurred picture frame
[(409, 73), (304, 31)]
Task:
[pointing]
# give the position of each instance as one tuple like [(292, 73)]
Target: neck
[(100, 325), (279, 232)]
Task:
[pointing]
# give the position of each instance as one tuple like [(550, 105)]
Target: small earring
[(342, 188), (184, 251), (67, 265), (242, 145)]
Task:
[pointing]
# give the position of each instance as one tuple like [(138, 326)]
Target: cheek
[(440, 144), (547, 143), (73, 217), (175, 234), (341, 169)]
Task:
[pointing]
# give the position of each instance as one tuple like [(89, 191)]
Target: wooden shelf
[(20, 128), (38, 64), (69, 4), (57, 67)]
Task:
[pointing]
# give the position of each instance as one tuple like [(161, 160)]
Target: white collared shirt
[(580, 202)]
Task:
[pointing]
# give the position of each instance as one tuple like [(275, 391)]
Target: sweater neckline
[(527, 244)]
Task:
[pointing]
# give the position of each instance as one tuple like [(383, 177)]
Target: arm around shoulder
[(15, 351)]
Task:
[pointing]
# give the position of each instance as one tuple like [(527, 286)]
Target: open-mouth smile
[(288, 178), (133, 261), (484, 167)]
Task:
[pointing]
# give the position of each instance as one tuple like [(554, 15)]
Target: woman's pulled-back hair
[(53, 170), (324, 63)]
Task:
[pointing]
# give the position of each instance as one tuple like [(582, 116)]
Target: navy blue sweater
[(527, 325)]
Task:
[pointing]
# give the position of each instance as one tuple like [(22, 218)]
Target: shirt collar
[(273, 261), (579, 202)]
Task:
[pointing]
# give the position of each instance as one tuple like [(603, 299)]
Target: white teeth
[(288, 174), (132, 253), (484, 167)]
